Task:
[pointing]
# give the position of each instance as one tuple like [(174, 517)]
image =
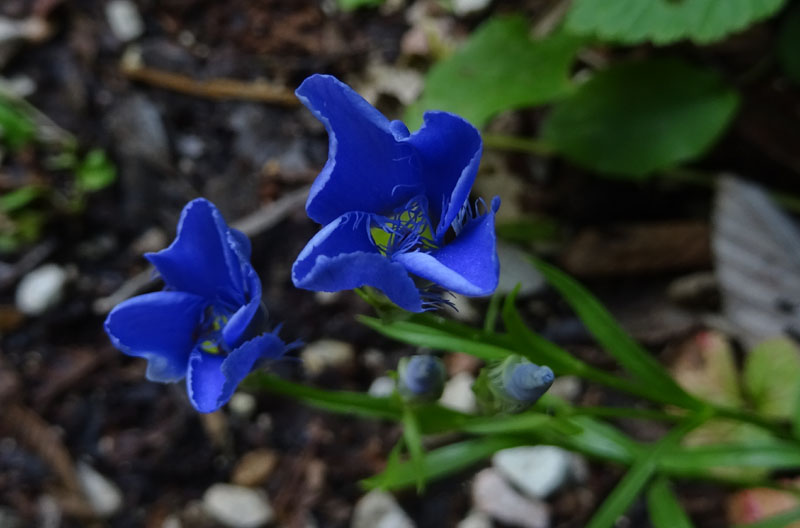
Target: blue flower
[(208, 323), (394, 205), (512, 385)]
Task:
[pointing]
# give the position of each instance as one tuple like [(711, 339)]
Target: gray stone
[(41, 289), (237, 506), (103, 496), (379, 509), (476, 519), (465, 7), (492, 495)]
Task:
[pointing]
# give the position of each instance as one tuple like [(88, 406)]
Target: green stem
[(619, 412)]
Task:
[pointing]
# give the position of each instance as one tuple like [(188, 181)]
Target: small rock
[(190, 146), (516, 268), (254, 468), (48, 513), (237, 506), (381, 387), (465, 7), (379, 509), (326, 353), (476, 519), (124, 20), (492, 495), (464, 310), (104, 496), (374, 359), (41, 289), (242, 405), (536, 470), (327, 298), (458, 393), (152, 240), (9, 519), (172, 521), (566, 387)]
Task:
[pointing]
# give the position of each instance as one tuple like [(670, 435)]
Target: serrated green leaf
[(789, 44), (666, 21), (499, 68), (639, 117), (95, 171), (665, 510), (772, 377), (614, 340)]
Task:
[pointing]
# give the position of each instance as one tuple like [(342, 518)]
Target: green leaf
[(418, 334), (95, 172), (413, 438), (499, 68), (16, 128), (780, 520), (350, 5), (665, 510), (772, 378), (19, 198), (666, 21), (441, 462), (639, 117), (637, 477), (697, 461), (614, 340), (336, 401), (789, 44)]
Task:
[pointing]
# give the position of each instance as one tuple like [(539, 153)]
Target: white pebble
[(124, 20), (492, 495), (242, 404), (458, 393), (465, 7), (237, 506), (382, 387), (476, 519), (326, 353), (103, 496), (379, 509), (41, 289), (536, 470)]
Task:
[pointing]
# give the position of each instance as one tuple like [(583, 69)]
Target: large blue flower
[(394, 205), (207, 325)]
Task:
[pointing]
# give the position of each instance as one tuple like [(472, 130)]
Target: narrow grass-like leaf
[(664, 508), (422, 335), (442, 462), (345, 402), (780, 520), (614, 340), (413, 438), (637, 477), (696, 461)]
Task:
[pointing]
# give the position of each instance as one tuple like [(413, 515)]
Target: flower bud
[(420, 378), (512, 386)]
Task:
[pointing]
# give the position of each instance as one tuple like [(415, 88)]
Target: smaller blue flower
[(512, 386), (394, 205), (208, 324), (420, 378)]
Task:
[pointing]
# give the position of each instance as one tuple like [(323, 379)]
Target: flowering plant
[(394, 205), (208, 324)]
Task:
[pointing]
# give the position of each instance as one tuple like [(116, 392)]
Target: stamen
[(409, 229)]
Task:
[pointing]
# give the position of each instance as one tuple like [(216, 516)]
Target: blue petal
[(342, 256), (241, 244), (203, 259), (159, 327), (204, 380), (237, 326), (370, 167), (449, 149), (468, 265)]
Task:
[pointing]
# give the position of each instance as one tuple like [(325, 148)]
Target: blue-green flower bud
[(420, 378), (512, 385)]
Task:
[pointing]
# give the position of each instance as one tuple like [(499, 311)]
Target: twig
[(251, 225), (263, 91)]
